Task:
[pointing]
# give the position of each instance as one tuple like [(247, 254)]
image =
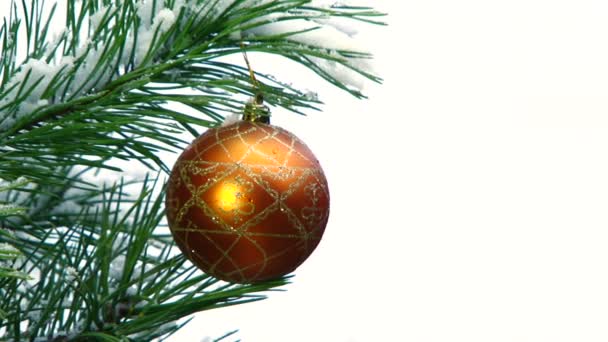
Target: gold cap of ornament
[(256, 111)]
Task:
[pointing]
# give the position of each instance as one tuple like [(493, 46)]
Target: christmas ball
[(247, 202)]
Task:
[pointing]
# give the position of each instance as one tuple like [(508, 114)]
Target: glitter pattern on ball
[(247, 202)]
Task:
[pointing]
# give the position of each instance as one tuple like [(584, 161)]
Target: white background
[(469, 194)]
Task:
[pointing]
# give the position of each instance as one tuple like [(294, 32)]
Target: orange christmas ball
[(247, 202)]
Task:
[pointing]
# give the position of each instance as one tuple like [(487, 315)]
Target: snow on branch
[(89, 65), (117, 38), (332, 34)]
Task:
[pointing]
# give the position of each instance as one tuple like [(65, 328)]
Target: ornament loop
[(255, 110)]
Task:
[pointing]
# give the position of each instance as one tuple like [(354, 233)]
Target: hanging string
[(254, 81), (255, 110)]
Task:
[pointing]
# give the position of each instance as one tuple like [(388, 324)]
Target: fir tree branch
[(111, 73), (117, 281), (100, 90)]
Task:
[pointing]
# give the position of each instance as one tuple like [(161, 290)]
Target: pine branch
[(120, 280), (120, 73), (7, 251), (100, 260)]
